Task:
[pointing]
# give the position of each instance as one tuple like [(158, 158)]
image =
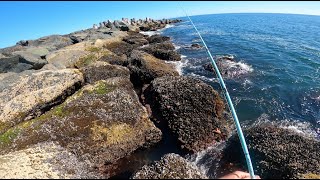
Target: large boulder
[(145, 67), (164, 51), (67, 57), (276, 153), (30, 58), (171, 166), (20, 61), (52, 42), (102, 70), (9, 50), (99, 124), (157, 38), (121, 47), (189, 109), (13, 64), (115, 59), (45, 161), (26, 95), (136, 38)]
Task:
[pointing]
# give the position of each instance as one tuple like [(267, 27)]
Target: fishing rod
[(233, 111)]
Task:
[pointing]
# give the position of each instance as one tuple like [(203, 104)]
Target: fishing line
[(230, 104)]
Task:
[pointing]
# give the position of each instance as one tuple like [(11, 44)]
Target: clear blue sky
[(31, 20)]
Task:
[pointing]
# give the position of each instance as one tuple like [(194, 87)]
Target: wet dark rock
[(276, 153), (102, 71), (158, 39), (145, 28), (189, 109), (196, 46), (171, 166), (145, 67)]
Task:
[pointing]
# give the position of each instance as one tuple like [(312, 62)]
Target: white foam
[(150, 33), (158, 31), (303, 128), (203, 77), (176, 47), (179, 65), (168, 26), (240, 64)]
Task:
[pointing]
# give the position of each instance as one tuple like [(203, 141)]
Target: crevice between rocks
[(43, 108)]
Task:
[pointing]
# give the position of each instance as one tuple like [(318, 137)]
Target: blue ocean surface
[(279, 55)]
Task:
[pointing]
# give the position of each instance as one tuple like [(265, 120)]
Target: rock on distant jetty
[(171, 166), (188, 108), (276, 153)]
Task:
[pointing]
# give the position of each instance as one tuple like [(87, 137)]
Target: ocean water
[(276, 73)]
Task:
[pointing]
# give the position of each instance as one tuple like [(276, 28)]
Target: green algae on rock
[(101, 123), (25, 95)]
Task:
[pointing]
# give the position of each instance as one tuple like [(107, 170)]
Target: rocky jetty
[(86, 104)]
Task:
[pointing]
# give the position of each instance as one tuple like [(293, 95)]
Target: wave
[(159, 31), (304, 128), (150, 33), (243, 66), (204, 78), (179, 65)]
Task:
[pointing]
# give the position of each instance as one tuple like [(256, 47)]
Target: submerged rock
[(228, 67), (188, 108), (26, 95), (145, 67), (276, 153), (100, 124), (196, 46), (171, 166)]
